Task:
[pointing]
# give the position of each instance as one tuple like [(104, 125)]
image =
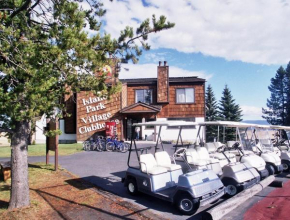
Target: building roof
[(171, 80)]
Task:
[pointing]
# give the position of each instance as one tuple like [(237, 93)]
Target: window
[(143, 95), (185, 95), (181, 119)]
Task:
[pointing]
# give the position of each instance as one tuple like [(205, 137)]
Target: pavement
[(106, 169)]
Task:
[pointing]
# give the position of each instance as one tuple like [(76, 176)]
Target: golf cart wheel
[(231, 187), (231, 190), (286, 165), (270, 169), (132, 187), (186, 204)]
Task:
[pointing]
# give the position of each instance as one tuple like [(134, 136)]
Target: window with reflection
[(143, 95)]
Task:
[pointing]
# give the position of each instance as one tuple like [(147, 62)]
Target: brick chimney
[(162, 83)]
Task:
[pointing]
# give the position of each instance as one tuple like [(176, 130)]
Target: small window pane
[(148, 96), (189, 95), (180, 95), (139, 96)]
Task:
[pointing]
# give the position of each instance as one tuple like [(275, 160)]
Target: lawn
[(39, 150)]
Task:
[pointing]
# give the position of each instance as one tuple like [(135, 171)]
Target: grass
[(39, 150), (39, 173), (59, 194)]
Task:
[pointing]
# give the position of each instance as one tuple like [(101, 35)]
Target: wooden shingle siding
[(173, 109), (162, 84)]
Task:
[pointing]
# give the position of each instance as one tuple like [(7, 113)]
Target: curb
[(225, 207)]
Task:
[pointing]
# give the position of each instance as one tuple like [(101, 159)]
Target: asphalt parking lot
[(106, 169)]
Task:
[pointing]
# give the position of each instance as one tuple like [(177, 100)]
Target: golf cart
[(281, 141), (236, 176), (258, 140), (236, 146), (157, 176)]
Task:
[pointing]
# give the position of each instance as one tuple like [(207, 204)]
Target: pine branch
[(22, 8), (6, 130)]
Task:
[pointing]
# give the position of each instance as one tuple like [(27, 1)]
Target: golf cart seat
[(163, 160), (230, 154), (204, 155), (192, 157), (220, 157), (212, 148), (149, 165)]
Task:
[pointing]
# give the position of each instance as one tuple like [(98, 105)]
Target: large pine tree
[(211, 113), (44, 50), (287, 71), (229, 111), (278, 103)]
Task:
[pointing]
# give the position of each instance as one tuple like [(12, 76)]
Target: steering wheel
[(220, 149), (179, 153), (236, 145)]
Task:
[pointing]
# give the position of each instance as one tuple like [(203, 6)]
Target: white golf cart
[(157, 176), (281, 142), (236, 176), (237, 146), (257, 139)]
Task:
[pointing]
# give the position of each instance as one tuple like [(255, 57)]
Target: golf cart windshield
[(229, 132), (264, 139)]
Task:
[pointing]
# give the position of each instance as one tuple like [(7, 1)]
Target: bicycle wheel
[(102, 144), (124, 147), (86, 145), (110, 146), (98, 146)]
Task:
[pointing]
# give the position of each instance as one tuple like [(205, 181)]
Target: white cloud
[(130, 71), (255, 31), (251, 112)]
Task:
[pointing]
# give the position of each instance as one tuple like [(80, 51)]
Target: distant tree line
[(224, 110), (278, 105)]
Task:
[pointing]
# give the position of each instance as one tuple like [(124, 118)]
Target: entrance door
[(130, 122)]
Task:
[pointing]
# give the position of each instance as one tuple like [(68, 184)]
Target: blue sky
[(240, 43)]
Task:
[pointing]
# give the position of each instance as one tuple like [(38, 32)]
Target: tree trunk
[(19, 166)]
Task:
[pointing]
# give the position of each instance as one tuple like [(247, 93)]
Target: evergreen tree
[(211, 113), (276, 113), (229, 111), (45, 53), (287, 86)]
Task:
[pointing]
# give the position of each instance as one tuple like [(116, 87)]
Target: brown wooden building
[(146, 99)]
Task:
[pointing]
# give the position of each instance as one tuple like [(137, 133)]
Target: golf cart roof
[(261, 126), (166, 123), (226, 123), (279, 127)]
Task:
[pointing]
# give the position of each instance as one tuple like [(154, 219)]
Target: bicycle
[(115, 145), (86, 145), (99, 144)]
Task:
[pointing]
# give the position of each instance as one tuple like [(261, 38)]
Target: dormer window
[(143, 95), (185, 95)]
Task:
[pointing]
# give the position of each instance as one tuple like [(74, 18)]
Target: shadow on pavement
[(114, 186)]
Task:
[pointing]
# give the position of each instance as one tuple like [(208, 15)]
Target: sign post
[(52, 142)]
